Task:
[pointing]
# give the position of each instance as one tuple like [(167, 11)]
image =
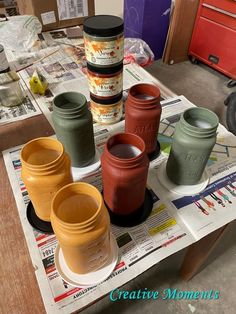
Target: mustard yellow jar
[(45, 169), (81, 224)]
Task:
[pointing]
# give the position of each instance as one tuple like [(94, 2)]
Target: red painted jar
[(143, 112), (124, 173), (105, 82)]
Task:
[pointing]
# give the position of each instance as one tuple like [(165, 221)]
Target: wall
[(112, 7)]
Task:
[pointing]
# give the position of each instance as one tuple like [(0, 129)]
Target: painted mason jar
[(74, 127), (104, 40), (45, 169), (143, 112), (194, 139), (81, 224), (124, 173)]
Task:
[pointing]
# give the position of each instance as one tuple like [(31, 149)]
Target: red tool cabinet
[(214, 36)]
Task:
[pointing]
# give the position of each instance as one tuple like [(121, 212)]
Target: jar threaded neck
[(199, 122), (70, 105), (78, 188), (128, 139), (43, 155)]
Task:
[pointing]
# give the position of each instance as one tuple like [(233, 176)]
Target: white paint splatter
[(192, 308), (166, 12)]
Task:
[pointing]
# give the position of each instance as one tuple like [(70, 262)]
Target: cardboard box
[(54, 14)]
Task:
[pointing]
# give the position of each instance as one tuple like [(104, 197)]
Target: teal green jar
[(194, 139), (74, 127)]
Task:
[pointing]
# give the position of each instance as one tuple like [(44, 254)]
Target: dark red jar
[(143, 112), (124, 173)]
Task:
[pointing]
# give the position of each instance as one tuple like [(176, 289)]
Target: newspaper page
[(63, 64), (140, 247), (214, 207), (27, 109)]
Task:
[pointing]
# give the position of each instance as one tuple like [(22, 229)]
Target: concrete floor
[(199, 83), (207, 88)]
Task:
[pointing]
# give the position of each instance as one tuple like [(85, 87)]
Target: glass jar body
[(43, 182), (142, 116), (124, 180), (76, 134), (85, 246), (190, 151)]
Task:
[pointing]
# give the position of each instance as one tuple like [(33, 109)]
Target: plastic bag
[(137, 50), (20, 32)]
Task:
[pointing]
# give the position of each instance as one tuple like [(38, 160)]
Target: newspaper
[(205, 212), (28, 108), (63, 64), (175, 222)]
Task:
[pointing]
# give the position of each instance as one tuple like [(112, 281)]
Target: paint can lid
[(103, 25)]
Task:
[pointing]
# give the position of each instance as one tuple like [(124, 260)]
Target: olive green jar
[(194, 139), (74, 127)]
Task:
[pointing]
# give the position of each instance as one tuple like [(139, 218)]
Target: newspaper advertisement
[(28, 108)]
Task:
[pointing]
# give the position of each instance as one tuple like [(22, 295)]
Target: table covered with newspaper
[(175, 221)]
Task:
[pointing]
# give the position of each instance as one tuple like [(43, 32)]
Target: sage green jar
[(194, 139), (74, 127)]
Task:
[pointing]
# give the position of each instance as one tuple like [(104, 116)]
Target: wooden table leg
[(198, 252)]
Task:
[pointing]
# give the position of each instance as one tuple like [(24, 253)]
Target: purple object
[(148, 20)]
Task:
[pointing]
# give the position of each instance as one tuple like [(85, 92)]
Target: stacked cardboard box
[(56, 14)]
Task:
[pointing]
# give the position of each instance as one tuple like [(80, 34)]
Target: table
[(16, 267), (17, 272)]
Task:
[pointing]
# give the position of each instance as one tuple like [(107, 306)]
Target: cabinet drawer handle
[(219, 10)]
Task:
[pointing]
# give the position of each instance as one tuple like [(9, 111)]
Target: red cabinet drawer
[(219, 17), (215, 45), (227, 5)]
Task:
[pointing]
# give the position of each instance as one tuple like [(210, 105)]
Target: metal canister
[(4, 65)]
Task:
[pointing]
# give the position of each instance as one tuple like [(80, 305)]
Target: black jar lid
[(103, 25), (106, 100), (103, 70)]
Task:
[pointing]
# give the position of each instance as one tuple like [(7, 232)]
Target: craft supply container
[(104, 40)]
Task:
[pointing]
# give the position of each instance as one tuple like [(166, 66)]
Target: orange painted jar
[(81, 224), (45, 169)]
